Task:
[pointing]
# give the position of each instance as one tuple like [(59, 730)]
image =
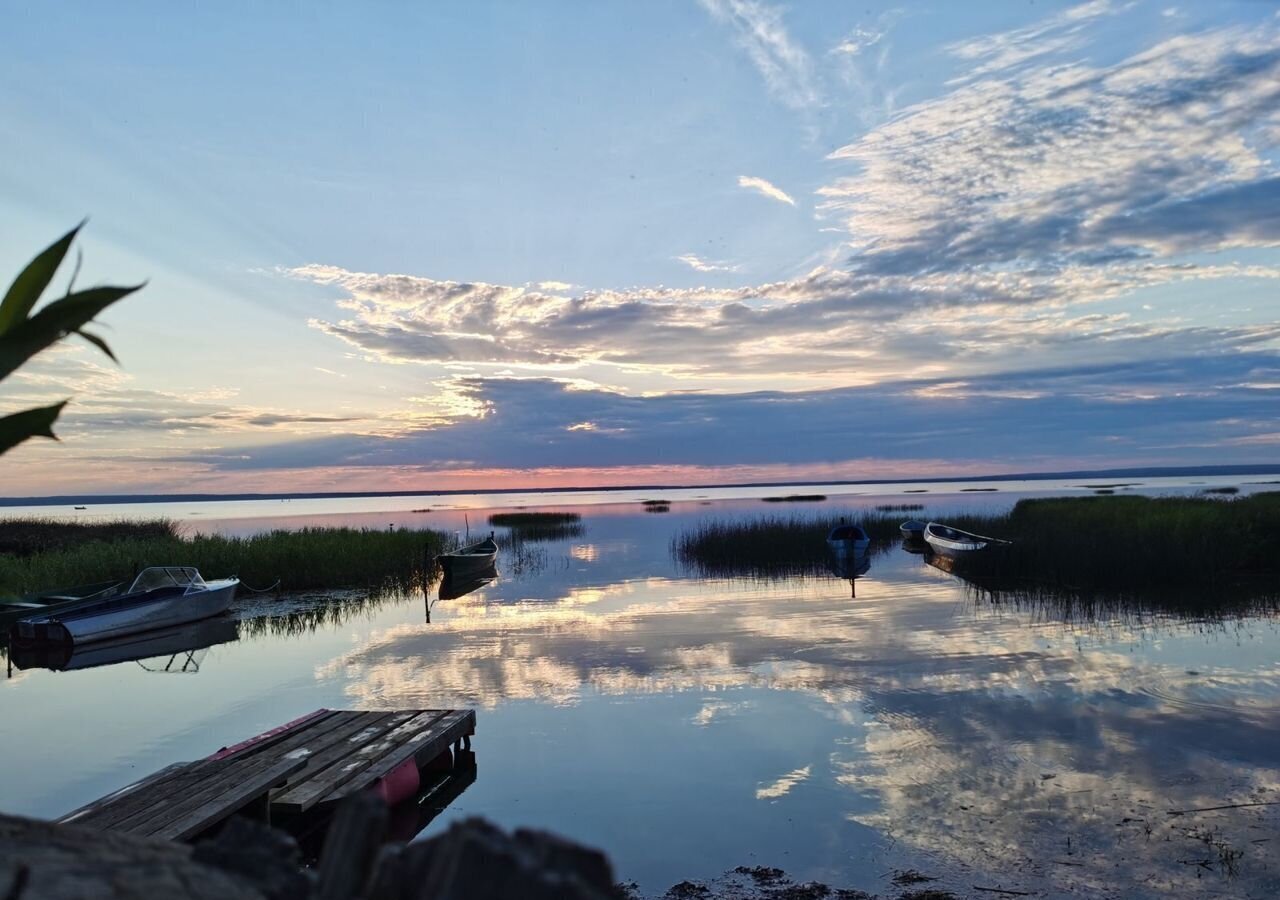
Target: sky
[(412, 246)]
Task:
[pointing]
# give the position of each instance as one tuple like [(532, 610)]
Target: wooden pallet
[(297, 769)]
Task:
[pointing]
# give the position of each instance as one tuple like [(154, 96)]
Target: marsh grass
[(768, 546), (305, 559), (23, 537), (1125, 544), (900, 507), (796, 498), (540, 526)]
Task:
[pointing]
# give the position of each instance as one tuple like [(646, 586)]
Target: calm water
[(689, 726)]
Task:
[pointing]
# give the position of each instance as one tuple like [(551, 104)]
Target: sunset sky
[(484, 245)]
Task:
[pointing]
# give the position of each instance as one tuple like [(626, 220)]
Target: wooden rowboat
[(469, 561), (912, 530), (948, 541)]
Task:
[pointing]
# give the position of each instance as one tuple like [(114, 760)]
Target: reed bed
[(1128, 543), (768, 546), (796, 498), (900, 507), (300, 560), (24, 537), (540, 526)]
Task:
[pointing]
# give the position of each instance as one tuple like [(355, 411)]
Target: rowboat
[(848, 541), (160, 597), (469, 561), (912, 530), (55, 600), (948, 541)]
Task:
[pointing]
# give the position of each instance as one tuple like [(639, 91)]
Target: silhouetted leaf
[(99, 343), (31, 281), (29, 423), (55, 321)]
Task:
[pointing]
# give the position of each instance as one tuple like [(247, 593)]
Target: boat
[(912, 530), (847, 541), (948, 541), (56, 600), (160, 597), (467, 562)]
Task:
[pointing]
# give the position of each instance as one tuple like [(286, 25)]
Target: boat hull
[(953, 543)]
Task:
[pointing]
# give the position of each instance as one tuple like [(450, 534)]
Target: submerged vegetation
[(299, 560)]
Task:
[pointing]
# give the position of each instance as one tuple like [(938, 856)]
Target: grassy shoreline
[(1070, 544), (300, 560)]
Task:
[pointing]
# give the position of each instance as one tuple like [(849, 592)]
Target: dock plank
[(216, 778), (234, 797), (313, 787), (110, 815), (367, 729), (423, 747), (118, 796), (315, 722)]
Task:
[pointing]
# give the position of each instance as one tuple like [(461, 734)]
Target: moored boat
[(847, 541), (912, 530), (56, 600), (948, 541), (160, 597), (471, 560)]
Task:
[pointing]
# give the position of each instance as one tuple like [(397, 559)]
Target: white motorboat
[(160, 597)]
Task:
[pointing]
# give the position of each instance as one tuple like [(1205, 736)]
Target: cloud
[(858, 40), (1010, 49), (1064, 166), (1158, 409), (760, 186), (699, 264), (785, 66)]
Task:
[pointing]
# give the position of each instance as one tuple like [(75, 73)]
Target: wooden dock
[(291, 774)]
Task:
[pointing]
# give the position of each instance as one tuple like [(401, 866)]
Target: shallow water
[(688, 726)]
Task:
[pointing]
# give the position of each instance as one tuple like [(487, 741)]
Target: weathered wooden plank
[(309, 724), (379, 725), (178, 781), (309, 791), (423, 747), (229, 801), (218, 777), (118, 796)]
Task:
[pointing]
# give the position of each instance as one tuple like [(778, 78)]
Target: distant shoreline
[(1149, 472)]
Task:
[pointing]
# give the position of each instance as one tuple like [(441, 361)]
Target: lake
[(687, 725)]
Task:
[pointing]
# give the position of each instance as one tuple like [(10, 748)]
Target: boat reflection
[(851, 568), (177, 649), (453, 586)]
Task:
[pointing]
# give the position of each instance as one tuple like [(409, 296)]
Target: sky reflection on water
[(689, 725)]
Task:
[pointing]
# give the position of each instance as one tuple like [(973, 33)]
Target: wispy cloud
[(784, 64), (768, 189), (858, 40), (1006, 50), (698, 264)]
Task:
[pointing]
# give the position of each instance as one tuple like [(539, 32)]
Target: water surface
[(689, 725)]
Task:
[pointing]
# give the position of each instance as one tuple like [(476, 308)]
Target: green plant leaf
[(29, 423), (55, 321), (31, 281)]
